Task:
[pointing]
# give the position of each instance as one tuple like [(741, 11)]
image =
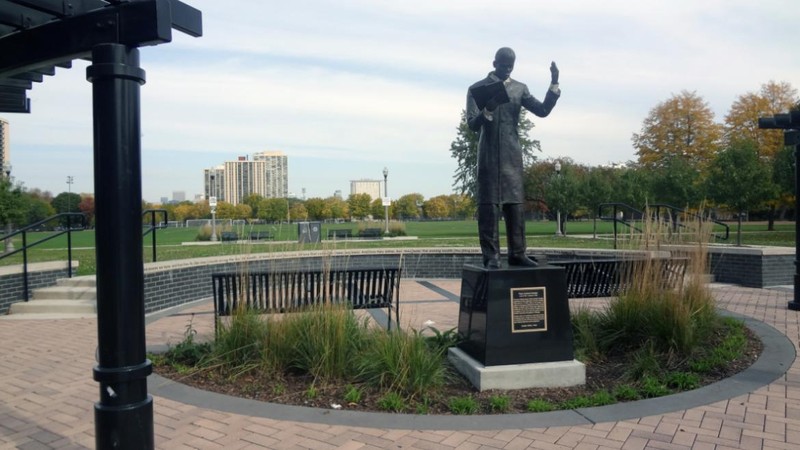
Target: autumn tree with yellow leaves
[(682, 126)]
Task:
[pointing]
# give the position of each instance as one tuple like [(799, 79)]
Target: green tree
[(38, 209), (242, 211), (359, 205), (463, 206), (317, 209), (66, 202), (377, 209), (562, 193), (253, 200), (298, 211), (683, 126), (407, 206), (465, 150), (676, 183), (437, 207), (739, 179), (12, 205), (337, 207), (597, 188), (225, 210), (273, 209)]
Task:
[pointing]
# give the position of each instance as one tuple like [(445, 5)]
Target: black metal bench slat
[(286, 291)]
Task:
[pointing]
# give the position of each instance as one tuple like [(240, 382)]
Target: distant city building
[(337, 193), (371, 187), (178, 196), (265, 174), (5, 147), (164, 200), (214, 183)]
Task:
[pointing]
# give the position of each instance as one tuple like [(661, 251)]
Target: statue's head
[(504, 62)]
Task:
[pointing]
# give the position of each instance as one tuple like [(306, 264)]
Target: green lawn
[(428, 234)]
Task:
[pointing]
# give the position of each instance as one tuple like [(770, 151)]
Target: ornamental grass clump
[(664, 307)]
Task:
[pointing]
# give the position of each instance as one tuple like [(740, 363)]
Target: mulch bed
[(293, 390)]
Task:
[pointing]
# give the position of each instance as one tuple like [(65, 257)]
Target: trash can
[(309, 232)]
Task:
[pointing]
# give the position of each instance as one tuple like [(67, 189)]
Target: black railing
[(36, 227), (153, 225), (621, 213), (624, 214)]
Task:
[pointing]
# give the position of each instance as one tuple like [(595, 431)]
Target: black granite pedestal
[(515, 315)]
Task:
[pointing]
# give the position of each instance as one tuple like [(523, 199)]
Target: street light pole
[(212, 202), (69, 200), (558, 211), (386, 197)]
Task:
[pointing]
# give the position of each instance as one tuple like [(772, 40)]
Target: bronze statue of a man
[(500, 179)]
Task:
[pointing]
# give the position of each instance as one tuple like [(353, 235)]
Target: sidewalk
[(47, 396)]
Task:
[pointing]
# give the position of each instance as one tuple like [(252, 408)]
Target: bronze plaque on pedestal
[(528, 310)]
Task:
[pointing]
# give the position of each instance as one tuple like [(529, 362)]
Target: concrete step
[(54, 307), (65, 293), (86, 281)]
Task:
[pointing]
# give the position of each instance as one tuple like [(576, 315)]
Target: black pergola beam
[(134, 24), (131, 24)]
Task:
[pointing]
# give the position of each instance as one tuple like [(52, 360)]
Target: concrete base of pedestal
[(518, 376)]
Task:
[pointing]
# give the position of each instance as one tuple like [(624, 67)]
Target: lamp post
[(558, 211), (212, 202), (386, 197), (70, 180), (9, 227)]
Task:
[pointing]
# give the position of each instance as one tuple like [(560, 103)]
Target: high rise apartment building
[(5, 147), (266, 174), (214, 183)]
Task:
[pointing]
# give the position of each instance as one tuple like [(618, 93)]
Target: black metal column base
[(793, 305), (132, 424)]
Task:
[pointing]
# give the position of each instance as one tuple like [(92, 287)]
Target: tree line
[(684, 158)]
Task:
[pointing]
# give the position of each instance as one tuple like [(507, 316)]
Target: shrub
[(204, 233), (652, 387), (539, 405), (401, 362), (683, 380), (626, 392), (352, 394), (392, 401), (580, 401), (463, 405), (322, 341), (499, 403), (240, 344), (601, 398)]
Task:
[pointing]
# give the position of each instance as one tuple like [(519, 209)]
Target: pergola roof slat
[(38, 35)]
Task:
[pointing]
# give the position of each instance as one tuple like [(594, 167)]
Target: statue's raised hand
[(553, 73)]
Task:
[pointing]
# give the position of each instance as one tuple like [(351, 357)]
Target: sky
[(347, 87)]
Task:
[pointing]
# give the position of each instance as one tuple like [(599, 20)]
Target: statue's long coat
[(499, 153)]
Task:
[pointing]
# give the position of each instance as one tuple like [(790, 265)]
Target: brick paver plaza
[(47, 395)]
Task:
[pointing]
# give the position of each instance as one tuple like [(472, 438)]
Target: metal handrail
[(679, 211), (154, 225), (25, 246), (656, 210), (617, 208)]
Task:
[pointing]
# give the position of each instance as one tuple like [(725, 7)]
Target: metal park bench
[(608, 277), (261, 235), (227, 236), (340, 234), (290, 291), (370, 233)]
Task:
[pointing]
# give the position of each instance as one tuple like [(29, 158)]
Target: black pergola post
[(124, 414)]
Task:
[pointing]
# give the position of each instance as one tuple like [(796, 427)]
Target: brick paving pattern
[(47, 394)]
